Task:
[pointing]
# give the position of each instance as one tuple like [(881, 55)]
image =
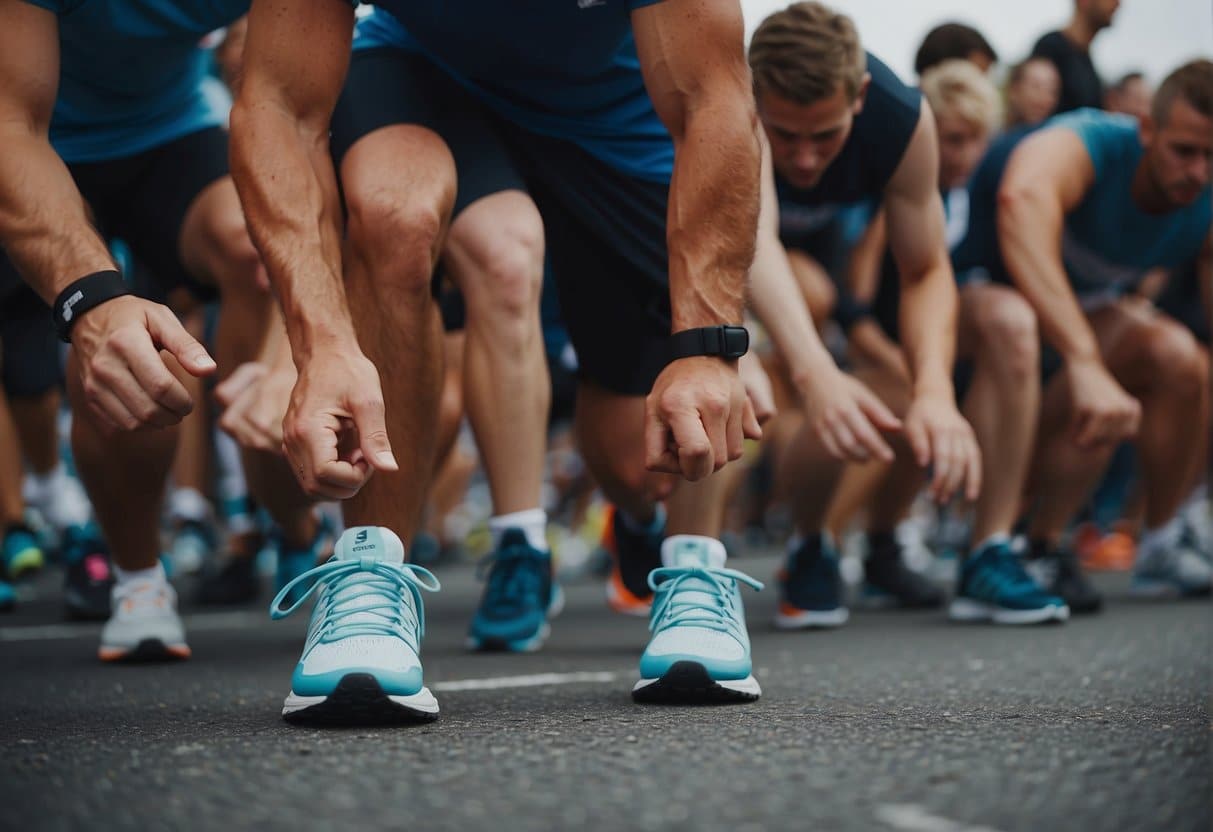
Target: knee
[(1010, 335), (1177, 360), (397, 237), (503, 269), (238, 258)]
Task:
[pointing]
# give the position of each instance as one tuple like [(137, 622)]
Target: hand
[(848, 417), (255, 399), (697, 418), (757, 387), (126, 381), (939, 436), (334, 433), (1104, 413)]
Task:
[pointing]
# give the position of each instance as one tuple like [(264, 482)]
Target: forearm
[(928, 327), (1029, 234), (873, 344), (713, 213), (44, 228), (779, 306), (289, 192)]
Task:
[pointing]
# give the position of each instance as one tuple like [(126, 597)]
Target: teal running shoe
[(995, 587), (519, 598), (8, 598), (361, 661), (22, 552), (699, 650)]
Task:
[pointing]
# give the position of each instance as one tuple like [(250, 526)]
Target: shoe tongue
[(692, 551), (370, 543)]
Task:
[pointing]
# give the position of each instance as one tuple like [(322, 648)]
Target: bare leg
[(37, 422), (12, 507), (495, 256), (397, 219)]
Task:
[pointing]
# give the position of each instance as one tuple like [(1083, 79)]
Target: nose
[(807, 158)]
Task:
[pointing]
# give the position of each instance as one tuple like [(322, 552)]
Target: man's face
[(1179, 153), (961, 144), (806, 138), (1034, 96), (1099, 13), (1135, 99)]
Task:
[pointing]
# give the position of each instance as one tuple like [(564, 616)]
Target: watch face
[(736, 341)]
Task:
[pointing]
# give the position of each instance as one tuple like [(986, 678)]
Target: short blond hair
[(805, 53), (958, 89)]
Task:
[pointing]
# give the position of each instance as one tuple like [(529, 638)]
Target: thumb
[(168, 333), (242, 378), (372, 434), (920, 443)]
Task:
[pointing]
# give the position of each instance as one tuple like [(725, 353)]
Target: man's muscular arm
[(1046, 178), (295, 62), (44, 229), (914, 215), (693, 57)]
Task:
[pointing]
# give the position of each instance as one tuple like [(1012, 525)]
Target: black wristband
[(727, 342), (89, 291)]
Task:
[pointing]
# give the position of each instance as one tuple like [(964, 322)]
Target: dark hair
[(948, 41), (1193, 82)]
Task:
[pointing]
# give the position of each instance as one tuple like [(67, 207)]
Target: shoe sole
[(967, 611), (148, 651), (523, 645), (1163, 591), (812, 619), (689, 683), (358, 699)]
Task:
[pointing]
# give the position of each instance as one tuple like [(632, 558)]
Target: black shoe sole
[(688, 683), (358, 700)]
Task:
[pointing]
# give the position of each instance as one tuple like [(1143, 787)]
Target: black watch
[(727, 342)]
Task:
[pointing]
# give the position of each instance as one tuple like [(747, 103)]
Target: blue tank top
[(564, 69), (132, 75), (1108, 243)]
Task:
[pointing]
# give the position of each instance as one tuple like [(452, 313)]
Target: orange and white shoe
[(144, 625), (641, 553)]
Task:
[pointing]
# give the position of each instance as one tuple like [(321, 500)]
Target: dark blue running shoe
[(519, 598), (810, 587), (994, 586)]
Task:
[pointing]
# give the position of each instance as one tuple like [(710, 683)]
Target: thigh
[(606, 243), (1136, 341), (144, 200)]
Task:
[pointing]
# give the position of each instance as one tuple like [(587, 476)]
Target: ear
[(1147, 130), (861, 96)]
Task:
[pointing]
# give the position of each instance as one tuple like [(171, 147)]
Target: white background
[(1150, 35)]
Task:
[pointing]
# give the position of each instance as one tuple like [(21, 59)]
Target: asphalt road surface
[(896, 722)]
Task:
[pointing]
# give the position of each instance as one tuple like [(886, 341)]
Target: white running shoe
[(144, 625), (361, 661), (1170, 571)]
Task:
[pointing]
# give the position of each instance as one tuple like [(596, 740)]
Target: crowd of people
[(640, 279)]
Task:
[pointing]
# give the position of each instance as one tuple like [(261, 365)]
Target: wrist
[(933, 386), (83, 295), (309, 339)]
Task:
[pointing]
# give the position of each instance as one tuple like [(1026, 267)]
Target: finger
[(940, 461), (1086, 430), (949, 470), (342, 480), (830, 444), (733, 436), (240, 380), (876, 411), (920, 441), (846, 440), (867, 436), (368, 416), (694, 446), (156, 382), (750, 426), (136, 396), (657, 456), (168, 333), (109, 409)]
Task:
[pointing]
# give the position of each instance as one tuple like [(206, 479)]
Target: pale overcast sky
[(1153, 35)]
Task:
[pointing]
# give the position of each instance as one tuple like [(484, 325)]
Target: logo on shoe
[(361, 536)]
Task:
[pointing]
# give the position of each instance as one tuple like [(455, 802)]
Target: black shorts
[(143, 199), (605, 230), (29, 346)]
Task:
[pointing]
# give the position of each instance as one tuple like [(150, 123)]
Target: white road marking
[(532, 681), (912, 818)]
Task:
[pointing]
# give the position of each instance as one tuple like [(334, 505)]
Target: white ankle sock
[(188, 504), (126, 576), (533, 523)]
